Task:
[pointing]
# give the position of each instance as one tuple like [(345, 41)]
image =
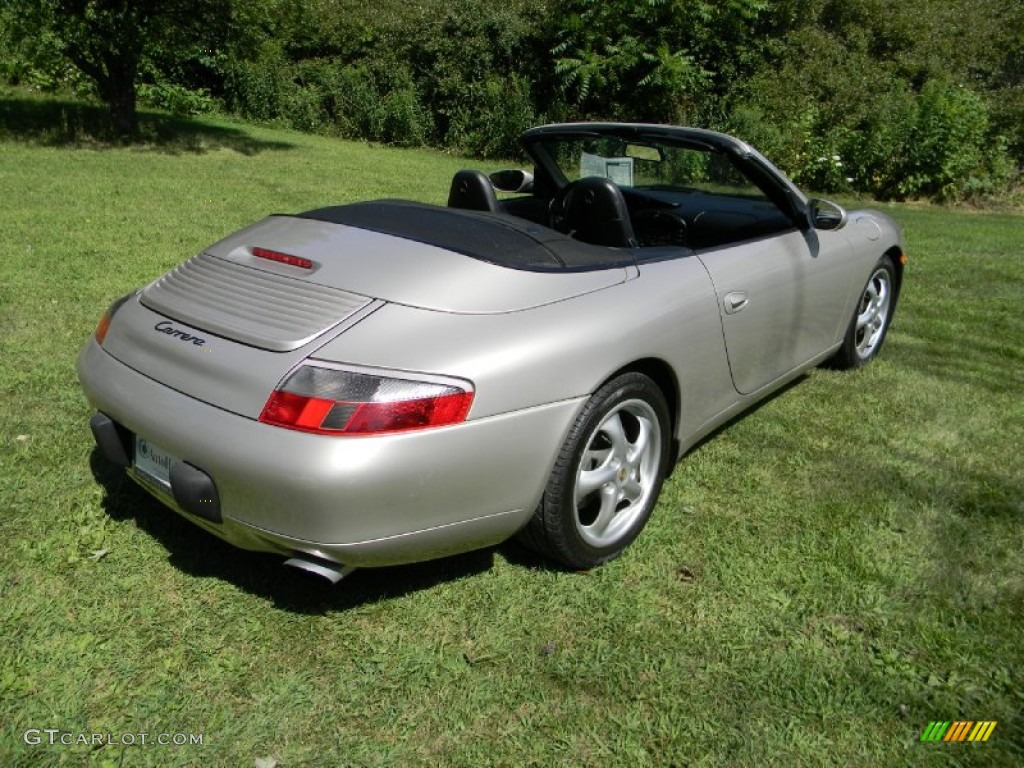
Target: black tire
[(871, 317), (607, 476)]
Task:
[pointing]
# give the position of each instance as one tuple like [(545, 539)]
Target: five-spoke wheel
[(867, 329), (607, 477), (618, 472)]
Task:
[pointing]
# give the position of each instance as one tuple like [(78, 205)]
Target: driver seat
[(473, 191), (596, 213)]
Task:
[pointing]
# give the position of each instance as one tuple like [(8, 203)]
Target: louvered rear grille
[(249, 305)]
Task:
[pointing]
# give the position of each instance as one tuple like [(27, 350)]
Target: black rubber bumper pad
[(195, 492), (114, 441)]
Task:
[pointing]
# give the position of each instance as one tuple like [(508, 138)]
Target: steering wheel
[(556, 208)]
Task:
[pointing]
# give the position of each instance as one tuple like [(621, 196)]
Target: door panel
[(781, 301)]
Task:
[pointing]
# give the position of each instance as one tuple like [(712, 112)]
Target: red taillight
[(104, 324), (283, 258), (290, 410), (410, 414), (336, 401)]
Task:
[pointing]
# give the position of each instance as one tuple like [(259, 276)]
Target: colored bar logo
[(958, 730)]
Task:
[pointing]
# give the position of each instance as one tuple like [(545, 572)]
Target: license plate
[(153, 462)]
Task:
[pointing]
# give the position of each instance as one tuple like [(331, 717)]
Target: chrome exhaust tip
[(333, 572)]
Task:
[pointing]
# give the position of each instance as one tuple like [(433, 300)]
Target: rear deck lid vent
[(256, 307)]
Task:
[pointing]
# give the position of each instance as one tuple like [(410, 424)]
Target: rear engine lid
[(250, 304), (350, 265), (227, 325), (228, 374)]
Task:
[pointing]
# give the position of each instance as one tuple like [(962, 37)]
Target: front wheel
[(607, 476), (870, 320)]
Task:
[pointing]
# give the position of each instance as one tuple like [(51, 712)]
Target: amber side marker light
[(102, 327), (104, 324), (903, 258)]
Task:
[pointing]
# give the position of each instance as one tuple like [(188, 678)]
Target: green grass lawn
[(820, 580)]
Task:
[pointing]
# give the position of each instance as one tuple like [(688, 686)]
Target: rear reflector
[(283, 258), (338, 401)]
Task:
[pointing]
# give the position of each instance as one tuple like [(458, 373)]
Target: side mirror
[(826, 215), (512, 181)]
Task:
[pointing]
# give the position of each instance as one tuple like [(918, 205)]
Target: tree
[(653, 60), (111, 41)]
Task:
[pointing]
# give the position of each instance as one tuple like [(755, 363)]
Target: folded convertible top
[(497, 238)]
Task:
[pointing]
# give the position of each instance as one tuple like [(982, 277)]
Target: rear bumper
[(192, 489), (360, 501)]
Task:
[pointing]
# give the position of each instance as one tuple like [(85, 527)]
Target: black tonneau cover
[(497, 238)]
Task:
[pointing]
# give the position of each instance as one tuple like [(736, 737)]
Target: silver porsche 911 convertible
[(385, 382)]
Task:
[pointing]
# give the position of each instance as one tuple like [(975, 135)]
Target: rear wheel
[(870, 321), (607, 477)]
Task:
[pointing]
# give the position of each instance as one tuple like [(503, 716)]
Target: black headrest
[(596, 213), (472, 191)]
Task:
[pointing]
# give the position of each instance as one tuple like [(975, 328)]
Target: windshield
[(648, 165)]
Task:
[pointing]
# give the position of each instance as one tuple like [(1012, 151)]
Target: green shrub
[(35, 60), (177, 99), (937, 144), (380, 102), (401, 119), (254, 88), (948, 152), (356, 102), (503, 109), (307, 95), (477, 71), (839, 120)]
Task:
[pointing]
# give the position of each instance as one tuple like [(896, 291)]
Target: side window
[(691, 170), (699, 171), (722, 178), (721, 205)]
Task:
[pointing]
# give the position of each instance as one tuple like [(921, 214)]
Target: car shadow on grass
[(55, 122), (202, 555)]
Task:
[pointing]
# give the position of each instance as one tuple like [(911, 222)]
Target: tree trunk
[(121, 99), (114, 75), (117, 89)]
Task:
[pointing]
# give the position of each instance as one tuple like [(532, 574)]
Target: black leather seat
[(472, 191), (596, 213)]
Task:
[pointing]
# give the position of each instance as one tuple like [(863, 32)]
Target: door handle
[(736, 301)]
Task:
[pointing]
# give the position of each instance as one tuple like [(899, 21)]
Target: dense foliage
[(910, 99), (114, 44)]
